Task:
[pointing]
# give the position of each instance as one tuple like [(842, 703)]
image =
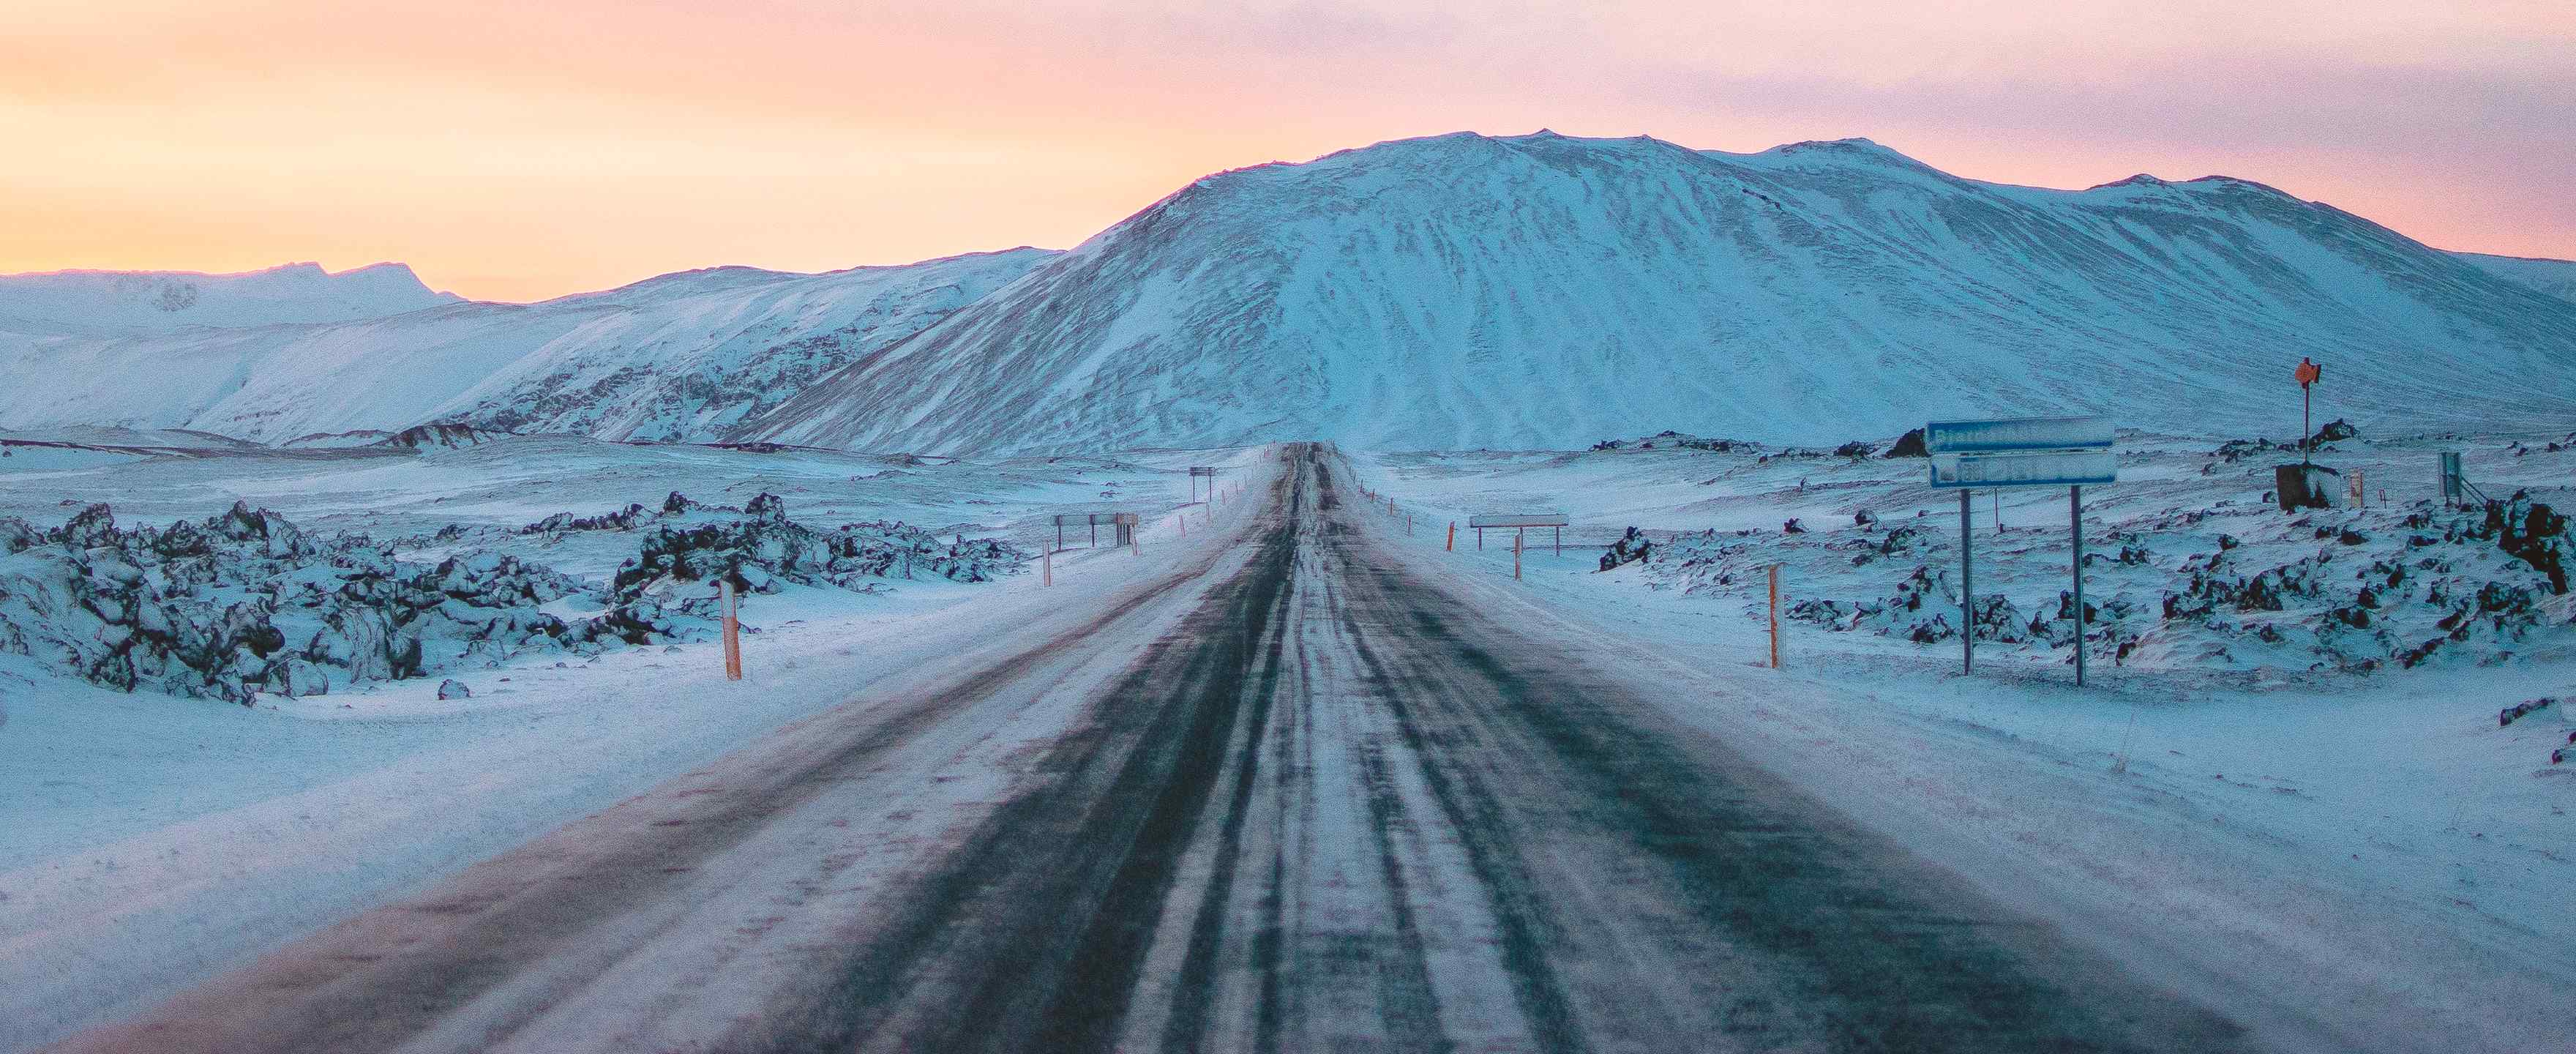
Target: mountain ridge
[(1440, 292), (1550, 290), (100, 301)]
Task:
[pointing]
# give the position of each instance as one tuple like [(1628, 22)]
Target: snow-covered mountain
[(123, 302), (1544, 291), (680, 357), (2554, 277), (1448, 292)]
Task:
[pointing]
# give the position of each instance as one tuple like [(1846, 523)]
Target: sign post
[(2307, 374), (1967, 594), (1202, 472), (1122, 526), (2075, 518), (1519, 522), (2065, 452)]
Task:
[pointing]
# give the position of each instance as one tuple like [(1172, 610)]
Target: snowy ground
[(2375, 838), (154, 840), (2388, 862)]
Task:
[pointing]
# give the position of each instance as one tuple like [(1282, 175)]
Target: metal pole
[(2075, 516), (1560, 541), (1967, 595), (2303, 424), (1516, 556)]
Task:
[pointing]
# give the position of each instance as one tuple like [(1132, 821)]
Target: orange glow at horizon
[(516, 153)]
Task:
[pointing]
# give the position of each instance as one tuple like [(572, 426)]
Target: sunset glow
[(517, 151)]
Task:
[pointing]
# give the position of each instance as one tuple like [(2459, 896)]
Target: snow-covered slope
[(693, 354), (113, 302), (676, 357), (2554, 277), (1543, 291)]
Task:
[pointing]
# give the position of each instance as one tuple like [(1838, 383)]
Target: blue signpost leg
[(2075, 515), (1967, 595)]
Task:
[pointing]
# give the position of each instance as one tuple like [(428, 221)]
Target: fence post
[(732, 630), (1046, 568), (1775, 616), (1516, 556)]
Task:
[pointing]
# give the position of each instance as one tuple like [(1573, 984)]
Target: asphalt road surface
[(1317, 801)]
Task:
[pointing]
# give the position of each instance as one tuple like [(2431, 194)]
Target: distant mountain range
[(129, 302), (681, 357), (1450, 292)]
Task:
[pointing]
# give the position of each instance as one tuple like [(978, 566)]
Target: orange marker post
[(1046, 568), (732, 631), (1452, 544), (1775, 616)]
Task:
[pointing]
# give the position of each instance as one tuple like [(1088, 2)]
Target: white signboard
[(2022, 452), (2069, 452), (1535, 519), (1086, 519), (2041, 468), (2020, 433)]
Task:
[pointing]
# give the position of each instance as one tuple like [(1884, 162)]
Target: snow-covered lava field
[(2288, 763)]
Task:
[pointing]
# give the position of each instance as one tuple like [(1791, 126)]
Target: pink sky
[(517, 151)]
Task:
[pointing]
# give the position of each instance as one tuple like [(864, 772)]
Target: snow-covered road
[(1289, 794)]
